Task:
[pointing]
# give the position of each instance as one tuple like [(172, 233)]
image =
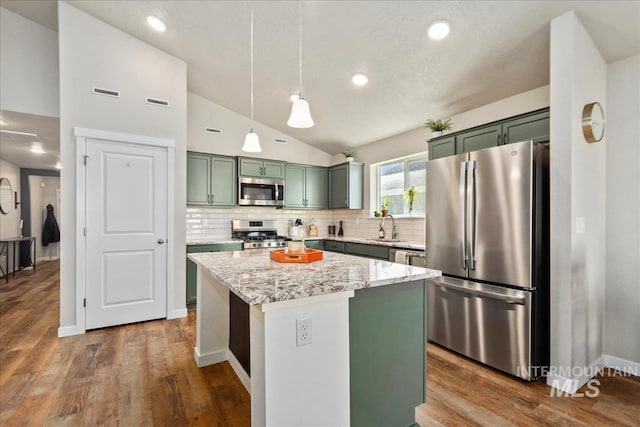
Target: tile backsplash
[(208, 224)]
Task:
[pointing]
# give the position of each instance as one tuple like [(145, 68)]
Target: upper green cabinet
[(346, 186), (260, 168), (442, 147), (534, 125), (305, 186), (211, 180)]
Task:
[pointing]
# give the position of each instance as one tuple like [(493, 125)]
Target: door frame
[(81, 135)]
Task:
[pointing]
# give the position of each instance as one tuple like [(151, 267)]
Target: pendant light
[(251, 141), (300, 114)]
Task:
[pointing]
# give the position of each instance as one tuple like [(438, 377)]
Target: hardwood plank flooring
[(133, 375), (144, 374)]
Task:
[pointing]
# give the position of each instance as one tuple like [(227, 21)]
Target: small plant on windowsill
[(438, 126), (385, 206), (350, 154), (410, 196)]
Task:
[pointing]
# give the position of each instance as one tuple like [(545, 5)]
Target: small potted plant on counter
[(376, 214), (385, 206), (438, 126), (410, 196), (350, 155)]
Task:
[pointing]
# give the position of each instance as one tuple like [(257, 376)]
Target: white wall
[(578, 77), (10, 223), (93, 53), (42, 192), (622, 292), (29, 66), (203, 114)]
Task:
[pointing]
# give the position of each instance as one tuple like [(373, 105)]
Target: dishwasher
[(413, 257)]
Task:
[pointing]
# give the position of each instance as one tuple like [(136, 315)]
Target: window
[(395, 177)]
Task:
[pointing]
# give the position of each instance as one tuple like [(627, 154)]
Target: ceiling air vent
[(213, 130), (106, 92), (159, 102), (280, 141)]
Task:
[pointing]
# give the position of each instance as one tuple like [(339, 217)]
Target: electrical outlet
[(303, 331)]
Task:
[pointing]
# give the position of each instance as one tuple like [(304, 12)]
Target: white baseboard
[(67, 331), (209, 358), (178, 313), (571, 386), (626, 366), (239, 370)]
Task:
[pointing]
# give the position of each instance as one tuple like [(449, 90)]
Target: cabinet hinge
[(85, 159), (84, 302)]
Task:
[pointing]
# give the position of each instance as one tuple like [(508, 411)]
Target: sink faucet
[(394, 228)]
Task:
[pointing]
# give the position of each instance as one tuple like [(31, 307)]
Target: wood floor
[(144, 374)]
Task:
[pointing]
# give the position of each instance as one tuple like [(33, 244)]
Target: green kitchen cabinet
[(346, 186), (442, 148), (211, 180), (305, 186), (314, 244), (261, 168), (525, 127), (485, 137), (332, 246), (192, 268), (535, 126), (368, 251)]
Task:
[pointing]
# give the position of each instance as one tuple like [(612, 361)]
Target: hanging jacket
[(50, 230)]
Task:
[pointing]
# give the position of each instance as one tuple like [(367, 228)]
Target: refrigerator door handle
[(462, 244), (476, 292), (471, 214)]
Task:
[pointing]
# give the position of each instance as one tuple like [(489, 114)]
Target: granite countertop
[(256, 279), (214, 242)]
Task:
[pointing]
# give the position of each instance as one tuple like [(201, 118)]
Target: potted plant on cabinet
[(410, 196), (350, 154), (438, 126), (385, 206)]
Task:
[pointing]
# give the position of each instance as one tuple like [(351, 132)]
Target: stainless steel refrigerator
[(487, 230)]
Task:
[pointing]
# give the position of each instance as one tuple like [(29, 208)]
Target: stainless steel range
[(257, 234)]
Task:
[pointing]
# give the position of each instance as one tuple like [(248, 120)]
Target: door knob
[(160, 241)]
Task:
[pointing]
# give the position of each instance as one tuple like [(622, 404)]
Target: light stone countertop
[(378, 242), (256, 279), (213, 242)]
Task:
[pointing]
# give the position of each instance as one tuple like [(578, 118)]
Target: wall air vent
[(158, 102), (280, 141), (106, 92), (214, 130)]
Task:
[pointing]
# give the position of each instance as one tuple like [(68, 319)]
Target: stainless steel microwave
[(260, 191)]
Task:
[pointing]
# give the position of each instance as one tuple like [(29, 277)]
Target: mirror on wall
[(6, 196)]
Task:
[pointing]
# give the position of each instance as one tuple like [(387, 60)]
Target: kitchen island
[(334, 342)]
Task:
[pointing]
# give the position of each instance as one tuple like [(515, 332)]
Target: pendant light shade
[(300, 113), (251, 141)]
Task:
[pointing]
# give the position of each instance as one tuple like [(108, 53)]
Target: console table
[(4, 249)]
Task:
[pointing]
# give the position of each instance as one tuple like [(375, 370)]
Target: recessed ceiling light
[(294, 97), (36, 147), (156, 23), (359, 79), (439, 30)]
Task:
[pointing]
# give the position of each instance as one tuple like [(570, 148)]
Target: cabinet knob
[(498, 140), (505, 139)]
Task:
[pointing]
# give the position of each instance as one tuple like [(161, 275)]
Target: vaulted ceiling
[(495, 49)]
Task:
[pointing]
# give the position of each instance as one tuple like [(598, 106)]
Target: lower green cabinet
[(314, 244), (368, 251), (331, 246), (192, 268)]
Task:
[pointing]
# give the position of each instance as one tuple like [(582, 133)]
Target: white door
[(126, 219)]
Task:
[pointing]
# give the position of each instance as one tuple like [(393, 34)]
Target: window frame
[(376, 170)]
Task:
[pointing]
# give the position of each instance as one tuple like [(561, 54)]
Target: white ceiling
[(16, 148), (496, 49)]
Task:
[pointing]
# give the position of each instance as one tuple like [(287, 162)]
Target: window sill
[(417, 216)]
